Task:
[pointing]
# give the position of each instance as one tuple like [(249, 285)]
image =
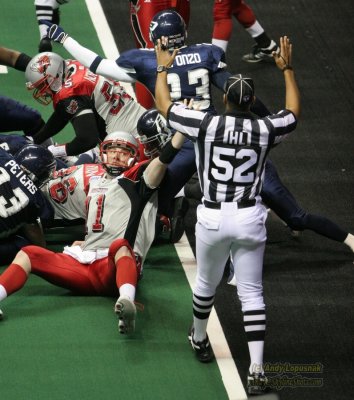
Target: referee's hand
[(284, 56), (163, 55)]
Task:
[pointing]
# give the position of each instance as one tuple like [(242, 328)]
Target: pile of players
[(124, 171)]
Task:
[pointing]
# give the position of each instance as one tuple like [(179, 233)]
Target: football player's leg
[(279, 199), (222, 29), (15, 275), (126, 280), (46, 10), (61, 270)]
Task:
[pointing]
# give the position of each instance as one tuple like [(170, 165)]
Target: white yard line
[(3, 69), (105, 36), (227, 366)]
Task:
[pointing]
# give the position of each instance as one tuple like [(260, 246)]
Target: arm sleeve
[(53, 126), (219, 78), (87, 134), (95, 63)]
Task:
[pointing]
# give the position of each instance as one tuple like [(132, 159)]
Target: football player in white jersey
[(104, 263), (67, 192), (95, 106)]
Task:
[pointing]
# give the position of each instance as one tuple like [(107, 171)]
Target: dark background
[(308, 281)]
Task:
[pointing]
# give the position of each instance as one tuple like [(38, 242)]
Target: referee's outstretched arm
[(283, 61)]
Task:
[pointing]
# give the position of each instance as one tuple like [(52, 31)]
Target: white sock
[(3, 293), (200, 326), (255, 30), (349, 241), (256, 354), (127, 290), (220, 43)]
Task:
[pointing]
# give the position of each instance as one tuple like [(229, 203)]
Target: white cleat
[(126, 312), (1, 315)]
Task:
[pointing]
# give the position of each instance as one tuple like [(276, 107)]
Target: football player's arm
[(86, 134), (14, 58), (53, 126), (87, 57), (156, 169), (219, 78), (95, 63), (162, 93)]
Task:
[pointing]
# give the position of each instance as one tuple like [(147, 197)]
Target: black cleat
[(180, 209), (45, 45), (257, 383), (258, 54), (203, 350)]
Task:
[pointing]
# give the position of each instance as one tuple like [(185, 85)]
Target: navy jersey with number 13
[(21, 201)]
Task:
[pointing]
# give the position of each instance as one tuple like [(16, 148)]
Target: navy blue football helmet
[(38, 163), (170, 24), (153, 132)]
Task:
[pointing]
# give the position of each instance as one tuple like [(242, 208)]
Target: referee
[(231, 151)]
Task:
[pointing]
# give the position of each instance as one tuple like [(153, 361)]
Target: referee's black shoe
[(203, 350), (180, 208), (257, 384)]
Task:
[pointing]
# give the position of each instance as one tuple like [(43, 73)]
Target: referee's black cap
[(239, 89)]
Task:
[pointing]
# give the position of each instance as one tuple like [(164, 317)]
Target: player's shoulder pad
[(130, 58)]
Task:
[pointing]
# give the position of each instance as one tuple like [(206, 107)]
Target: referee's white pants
[(240, 233)]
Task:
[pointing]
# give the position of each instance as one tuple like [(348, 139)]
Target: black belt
[(240, 204)]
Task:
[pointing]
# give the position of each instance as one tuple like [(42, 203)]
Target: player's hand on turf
[(55, 32), (163, 55), (284, 57)]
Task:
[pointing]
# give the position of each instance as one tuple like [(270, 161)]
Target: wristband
[(287, 67), (22, 62), (168, 153)]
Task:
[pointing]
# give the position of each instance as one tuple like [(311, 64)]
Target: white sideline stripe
[(226, 363), (228, 370), (105, 36), (3, 69)]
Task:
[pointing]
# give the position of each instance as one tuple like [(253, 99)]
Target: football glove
[(55, 32)]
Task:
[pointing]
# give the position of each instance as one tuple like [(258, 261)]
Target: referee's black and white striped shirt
[(231, 149)]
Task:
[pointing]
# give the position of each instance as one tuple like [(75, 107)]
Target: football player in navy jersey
[(141, 14), (21, 201), (16, 116)]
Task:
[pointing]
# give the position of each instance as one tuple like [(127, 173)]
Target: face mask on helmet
[(153, 132), (170, 24), (45, 74), (119, 152), (38, 163)]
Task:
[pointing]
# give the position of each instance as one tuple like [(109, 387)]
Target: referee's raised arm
[(283, 60), (164, 61)]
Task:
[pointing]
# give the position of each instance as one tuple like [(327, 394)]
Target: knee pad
[(116, 245)]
